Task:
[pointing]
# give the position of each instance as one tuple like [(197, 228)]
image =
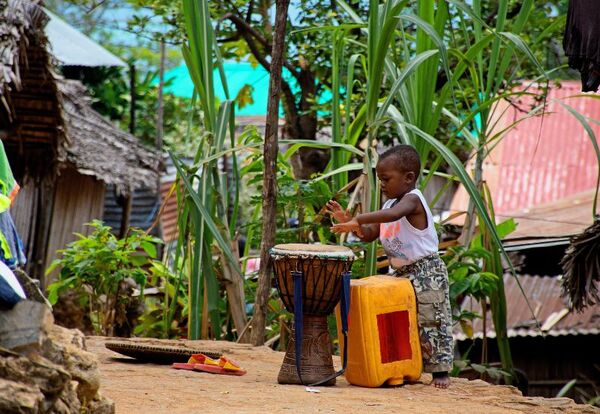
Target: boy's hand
[(337, 212), (347, 227)]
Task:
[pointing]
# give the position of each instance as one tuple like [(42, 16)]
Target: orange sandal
[(200, 362)]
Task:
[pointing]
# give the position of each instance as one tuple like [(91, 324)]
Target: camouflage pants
[(429, 278)]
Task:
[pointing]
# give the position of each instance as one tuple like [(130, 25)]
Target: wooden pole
[(132, 95), (43, 224), (269, 193), (160, 109), (160, 127), (126, 216)]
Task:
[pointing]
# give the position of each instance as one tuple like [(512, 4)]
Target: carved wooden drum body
[(309, 279)]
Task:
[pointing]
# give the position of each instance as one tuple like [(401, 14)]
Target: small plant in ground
[(467, 278), (100, 269), (165, 309)]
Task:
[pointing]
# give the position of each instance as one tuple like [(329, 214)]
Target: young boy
[(405, 227)]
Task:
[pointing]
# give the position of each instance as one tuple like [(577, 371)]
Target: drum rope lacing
[(315, 306)]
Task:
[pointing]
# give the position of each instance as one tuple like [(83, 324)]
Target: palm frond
[(581, 269)]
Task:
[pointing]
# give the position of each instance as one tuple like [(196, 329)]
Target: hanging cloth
[(582, 41), (11, 291), (11, 246), (8, 186)]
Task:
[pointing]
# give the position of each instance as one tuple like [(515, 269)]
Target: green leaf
[(479, 368), (138, 260), (566, 388), (55, 263), (149, 248), (459, 287), (522, 46), (345, 168), (503, 229), (407, 71), (296, 144), (53, 294)]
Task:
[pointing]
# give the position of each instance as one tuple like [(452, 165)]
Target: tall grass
[(209, 201)]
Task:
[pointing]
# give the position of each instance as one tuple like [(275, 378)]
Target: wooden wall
[(31, 211), (23, 212), (550, 362), (78, 200)]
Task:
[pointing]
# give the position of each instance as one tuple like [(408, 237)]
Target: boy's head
[(398, 169)]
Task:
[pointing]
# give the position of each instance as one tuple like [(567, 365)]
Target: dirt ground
[(148, 388)]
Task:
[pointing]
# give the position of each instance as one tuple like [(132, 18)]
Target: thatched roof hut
[(99, 148), (28, 92), (62, 152)]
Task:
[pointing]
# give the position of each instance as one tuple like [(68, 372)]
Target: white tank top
[(405, 244)]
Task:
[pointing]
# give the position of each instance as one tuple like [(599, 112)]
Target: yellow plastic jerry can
[(383, 336)]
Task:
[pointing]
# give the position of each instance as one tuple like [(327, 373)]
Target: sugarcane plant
[(208, 200)]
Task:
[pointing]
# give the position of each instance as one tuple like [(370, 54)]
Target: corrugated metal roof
[(144, 207), (72, 48), (543, 159), (549, 308), (568, 216), (169, 213)]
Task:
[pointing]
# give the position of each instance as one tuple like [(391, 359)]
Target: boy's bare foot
[(440, 380)]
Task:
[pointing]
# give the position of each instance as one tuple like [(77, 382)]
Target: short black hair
[(407, 157)]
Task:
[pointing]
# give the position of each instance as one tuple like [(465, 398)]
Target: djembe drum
[(311, 280)]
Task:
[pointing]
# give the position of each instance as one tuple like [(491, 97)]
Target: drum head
[(313, 250)]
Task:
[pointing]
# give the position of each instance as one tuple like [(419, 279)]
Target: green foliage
[(299, 215), (95, 267), (155, 321), (486, 371), (425, 73), (467, 278), (110, 88), (208, 200)]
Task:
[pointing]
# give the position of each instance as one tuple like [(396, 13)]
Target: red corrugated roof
[(169, 214), (542, 159), (543, 294)]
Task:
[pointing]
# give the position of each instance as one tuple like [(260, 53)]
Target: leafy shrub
[(99, 268)]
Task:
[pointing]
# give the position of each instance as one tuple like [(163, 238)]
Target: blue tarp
[(238, 74)]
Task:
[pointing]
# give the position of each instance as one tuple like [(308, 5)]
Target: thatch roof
[(49, 122), (17, 19), (101, 149), (29, 108)]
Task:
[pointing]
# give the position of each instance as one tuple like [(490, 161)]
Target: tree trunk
[(301, 123), (269, 192), (160, 127), (160, 109), (300, 119)]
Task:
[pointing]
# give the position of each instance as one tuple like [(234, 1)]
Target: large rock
[(25, 325), (49, 378), (19, 398), (66, 347), (47, 369)]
